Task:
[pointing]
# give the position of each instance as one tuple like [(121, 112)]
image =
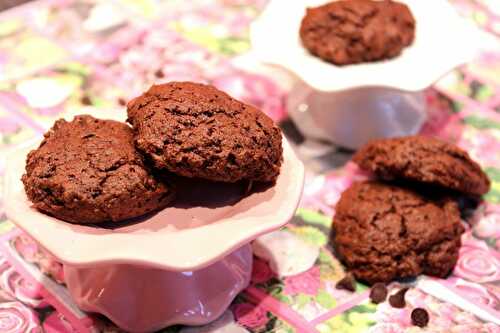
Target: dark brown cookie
[(423, 159), (88, 171), (383, 232), (355, 31), (197, 131)]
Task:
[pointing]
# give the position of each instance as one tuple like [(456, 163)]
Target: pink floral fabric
[(16, 317), (33, 253), (249, 315), (261, 272), (477, 262), (477, 292), (306, 283)]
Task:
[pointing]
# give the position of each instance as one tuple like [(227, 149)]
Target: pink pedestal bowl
[(140, 299), (182, 265)]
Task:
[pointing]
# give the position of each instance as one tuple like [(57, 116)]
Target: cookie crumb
[(419, 317), (398, 299), (378, 293), (347, 283)]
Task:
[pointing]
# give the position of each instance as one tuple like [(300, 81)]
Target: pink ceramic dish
[(207, 223), (139, 299)]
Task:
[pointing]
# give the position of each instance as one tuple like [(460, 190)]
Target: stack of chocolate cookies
[(90, 170), (408, 221)]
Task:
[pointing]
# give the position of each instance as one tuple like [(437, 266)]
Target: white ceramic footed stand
[(142, 299), (351, 117), (349, 104), (181, 265)]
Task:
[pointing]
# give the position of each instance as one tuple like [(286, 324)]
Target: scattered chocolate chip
[(347, 283), (85, 100), (159, 74), (122, 101), (398, 299), (378, 294), (419, 317)]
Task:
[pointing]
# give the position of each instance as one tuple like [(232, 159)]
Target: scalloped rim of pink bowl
[(438, 48), (174, 250)]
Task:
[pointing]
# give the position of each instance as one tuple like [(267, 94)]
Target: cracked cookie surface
[(384, 232), (88, 171), (355, 31), (197, 131), (423, 159)]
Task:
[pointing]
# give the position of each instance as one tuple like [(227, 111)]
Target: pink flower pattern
[(33, 253), (476, 262), (261, 272), (322, 192), (15, 287), (440, 122), (249, 315), (488, 223), (16, 317), (306, 283), (476, 292), (256, 90), (484, 147)]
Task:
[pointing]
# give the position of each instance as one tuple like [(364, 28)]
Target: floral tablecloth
[(64, 57)]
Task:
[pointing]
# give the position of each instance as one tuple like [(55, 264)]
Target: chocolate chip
[(398, 299), (378, 294), (159, 74), (122, 101), (347, 283), (419, 317), (85, 100)]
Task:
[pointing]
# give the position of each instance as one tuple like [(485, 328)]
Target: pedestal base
[(140, 299), (353, 117)]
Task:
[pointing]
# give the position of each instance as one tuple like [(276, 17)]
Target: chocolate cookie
[(423, 159), (197, 131), (355, 31), (88, 171), (383, 232)]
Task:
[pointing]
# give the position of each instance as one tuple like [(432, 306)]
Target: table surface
[(96, 57)]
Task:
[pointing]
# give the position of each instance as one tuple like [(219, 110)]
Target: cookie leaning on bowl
[(88, 171), (349, 32), (197, 131)]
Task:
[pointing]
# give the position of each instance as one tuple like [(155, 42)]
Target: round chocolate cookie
[(354, 31), (197, 131), (383, 232), (423, 159), (88, 171)]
